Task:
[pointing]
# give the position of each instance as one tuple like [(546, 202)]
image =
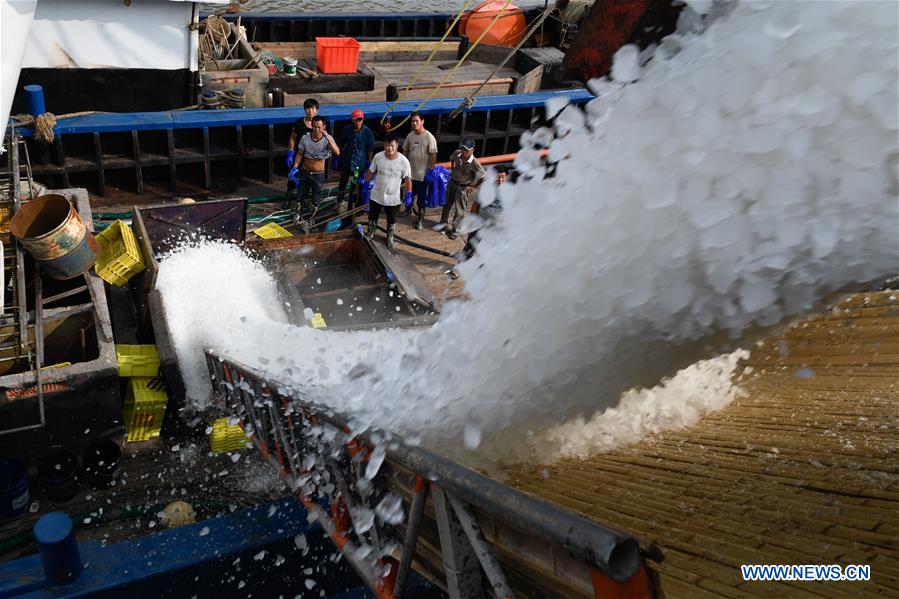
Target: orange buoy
[(507, 31)]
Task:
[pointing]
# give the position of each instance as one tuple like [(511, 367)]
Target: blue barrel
[(55, 536), (51, 230), (13, 487), (34, 99)]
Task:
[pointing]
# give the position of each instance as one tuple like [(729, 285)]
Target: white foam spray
[(750, 170)]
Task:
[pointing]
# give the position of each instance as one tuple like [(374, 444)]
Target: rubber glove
[(408, 200), (293, 175), (290, 156)]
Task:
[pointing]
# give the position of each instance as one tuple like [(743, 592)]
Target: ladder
[(14, 318)]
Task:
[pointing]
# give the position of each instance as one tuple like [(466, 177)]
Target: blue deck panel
[(171, 558), (195, 119)]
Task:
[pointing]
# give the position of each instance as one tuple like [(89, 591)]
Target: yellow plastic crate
[(272, 231), (144, 408), (225, 437), (120, 257), (137, 360), (318, 321)]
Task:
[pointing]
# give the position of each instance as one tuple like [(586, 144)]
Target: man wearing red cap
[(356, 148)]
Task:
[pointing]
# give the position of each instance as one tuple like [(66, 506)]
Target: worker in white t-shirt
[(394, 176)]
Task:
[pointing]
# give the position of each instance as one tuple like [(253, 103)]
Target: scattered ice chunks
[(390, 509), (555, 105), (471, 437), (804, 373), (626, 64), (375, 460), (363, 519)]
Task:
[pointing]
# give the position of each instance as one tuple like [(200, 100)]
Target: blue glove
[(294, 176), (290, 155), (408, 200)]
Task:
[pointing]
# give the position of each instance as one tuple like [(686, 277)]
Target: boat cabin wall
[(109, 56)]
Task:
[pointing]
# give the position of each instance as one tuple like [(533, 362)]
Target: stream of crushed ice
[(746, 170)]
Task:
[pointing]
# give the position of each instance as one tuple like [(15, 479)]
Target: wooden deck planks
[(799, 470)]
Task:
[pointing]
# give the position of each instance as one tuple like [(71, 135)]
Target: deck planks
[(800, 470)]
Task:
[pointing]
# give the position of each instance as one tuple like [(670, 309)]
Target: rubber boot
[(420, 223), (390, 231), (372, 228)]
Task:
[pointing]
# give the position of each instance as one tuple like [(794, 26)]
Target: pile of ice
[(750, 169)]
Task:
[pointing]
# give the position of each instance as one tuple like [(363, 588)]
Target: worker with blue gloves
[(300, 127), (357, 144), (393, 174), (309, 162), (420, 147)]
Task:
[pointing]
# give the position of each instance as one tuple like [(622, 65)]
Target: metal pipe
[(416, 511), (498, 159), (491, 567), (418, 245), (612, 552)]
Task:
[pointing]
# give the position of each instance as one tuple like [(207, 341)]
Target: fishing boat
[(465, 80), (354, 512)]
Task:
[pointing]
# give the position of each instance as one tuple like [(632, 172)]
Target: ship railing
[(392, 507)]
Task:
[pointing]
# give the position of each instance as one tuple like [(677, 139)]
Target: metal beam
[(491, 567), (463, 571)]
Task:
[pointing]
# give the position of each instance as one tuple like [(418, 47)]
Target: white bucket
[(290, 66)]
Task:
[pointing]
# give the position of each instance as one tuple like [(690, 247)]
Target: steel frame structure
[(491, 538)]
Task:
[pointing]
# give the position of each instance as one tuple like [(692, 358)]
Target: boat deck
[(801, 470), (395, 64)]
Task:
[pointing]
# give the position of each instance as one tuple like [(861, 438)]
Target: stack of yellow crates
[(146, 397), (227, 437)]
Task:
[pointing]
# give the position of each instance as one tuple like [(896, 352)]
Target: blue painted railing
[(196, 119)]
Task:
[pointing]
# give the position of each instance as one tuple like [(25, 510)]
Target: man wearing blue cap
[(468, 174)]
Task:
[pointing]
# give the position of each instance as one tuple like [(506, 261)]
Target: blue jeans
[(420, 191), (310, 183)]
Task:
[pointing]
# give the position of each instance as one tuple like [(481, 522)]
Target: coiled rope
[(45, 123)]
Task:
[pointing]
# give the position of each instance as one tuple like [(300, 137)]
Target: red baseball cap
[(358, 114)]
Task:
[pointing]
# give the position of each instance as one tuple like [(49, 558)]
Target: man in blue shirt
[(356, 148)]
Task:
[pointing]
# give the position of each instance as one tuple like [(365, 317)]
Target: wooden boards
[(371, 51), (801, 469), (362, 80)]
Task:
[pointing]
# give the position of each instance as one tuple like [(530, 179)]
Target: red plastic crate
[(337, 55)]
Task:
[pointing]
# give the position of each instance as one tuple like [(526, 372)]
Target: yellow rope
[(428, 61), (459, 63), (468, 102)]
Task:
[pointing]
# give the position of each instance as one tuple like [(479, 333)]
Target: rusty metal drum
[(50, 229)]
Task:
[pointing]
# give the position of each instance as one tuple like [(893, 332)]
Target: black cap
[(467, 144)]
